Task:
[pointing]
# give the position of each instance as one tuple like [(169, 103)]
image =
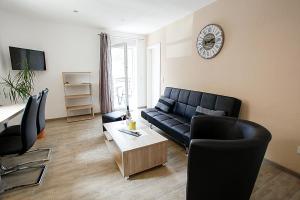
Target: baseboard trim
[(141, 107), (54, 119), (291, 172), (60, 118)]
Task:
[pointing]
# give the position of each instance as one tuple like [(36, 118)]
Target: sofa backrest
[(188, 100)]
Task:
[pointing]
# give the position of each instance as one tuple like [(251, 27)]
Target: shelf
[(107, 135), (113, 149), (80, 107), (76, 72), (77, 118), (77, 84), (77, 96), (78, 88)]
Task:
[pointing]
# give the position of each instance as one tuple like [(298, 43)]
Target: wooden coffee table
[(135, 154)]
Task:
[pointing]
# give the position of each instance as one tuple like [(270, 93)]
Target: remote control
[(136, 134)]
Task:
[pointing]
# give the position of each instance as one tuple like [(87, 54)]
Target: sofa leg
[(186, 150)]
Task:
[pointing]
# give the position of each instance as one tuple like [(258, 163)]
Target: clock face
[(210, 41)]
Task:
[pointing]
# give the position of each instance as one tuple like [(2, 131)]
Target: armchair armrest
[(211, 163)]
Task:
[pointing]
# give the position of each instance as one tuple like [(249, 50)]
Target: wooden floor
[(82, 168)]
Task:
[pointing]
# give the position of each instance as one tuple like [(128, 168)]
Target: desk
[(6, 113), (10, 111)]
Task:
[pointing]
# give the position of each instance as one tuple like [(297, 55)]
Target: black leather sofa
[(177, 123)]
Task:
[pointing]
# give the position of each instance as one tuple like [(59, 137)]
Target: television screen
[(19, 57)]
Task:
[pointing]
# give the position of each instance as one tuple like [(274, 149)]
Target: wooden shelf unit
[(74, 81), (79, 107), (77, 96)]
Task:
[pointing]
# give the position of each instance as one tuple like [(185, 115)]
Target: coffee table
[(135, 154)]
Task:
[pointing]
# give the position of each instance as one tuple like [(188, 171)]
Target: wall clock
[(210, 41)]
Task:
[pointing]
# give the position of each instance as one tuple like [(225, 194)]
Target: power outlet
[(298, 150)]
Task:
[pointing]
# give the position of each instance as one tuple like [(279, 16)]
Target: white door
[(153, 75)]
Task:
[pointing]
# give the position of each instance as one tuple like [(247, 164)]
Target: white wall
[(153, 75), (141, 74), (67, 48)]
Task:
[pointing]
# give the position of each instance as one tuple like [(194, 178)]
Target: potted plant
[(20, 86)]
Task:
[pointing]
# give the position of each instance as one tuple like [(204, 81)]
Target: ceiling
[(132, 16)]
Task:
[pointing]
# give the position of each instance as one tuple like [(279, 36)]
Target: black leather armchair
[(224, 157)]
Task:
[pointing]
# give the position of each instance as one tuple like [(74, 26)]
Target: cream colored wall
[(259, 64)]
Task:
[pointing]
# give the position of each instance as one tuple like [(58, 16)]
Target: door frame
[(150, 48)]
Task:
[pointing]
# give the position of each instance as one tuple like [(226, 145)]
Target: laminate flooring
[(82, 168)]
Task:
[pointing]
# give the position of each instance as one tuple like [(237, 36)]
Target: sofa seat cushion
[(176, 126), (186, 138), (179, 118), (182, 131), (181, 128), (153, 113), (150, 110), (161, 117), (171, 122)]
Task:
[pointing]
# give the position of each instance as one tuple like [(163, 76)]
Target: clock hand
[(211, 40)]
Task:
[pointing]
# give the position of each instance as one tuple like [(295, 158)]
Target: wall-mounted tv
[(19, 57)]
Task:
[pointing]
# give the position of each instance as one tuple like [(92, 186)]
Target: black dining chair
[(224, 157), (40, 120), (20, 142), (16, 130), (3, 126)]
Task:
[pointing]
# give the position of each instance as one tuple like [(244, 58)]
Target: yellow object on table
[(132, 125)]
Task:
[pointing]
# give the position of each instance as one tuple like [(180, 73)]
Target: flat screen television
[(19, 57)]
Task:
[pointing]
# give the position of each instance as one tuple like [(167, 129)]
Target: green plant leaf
[(19, 87)]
